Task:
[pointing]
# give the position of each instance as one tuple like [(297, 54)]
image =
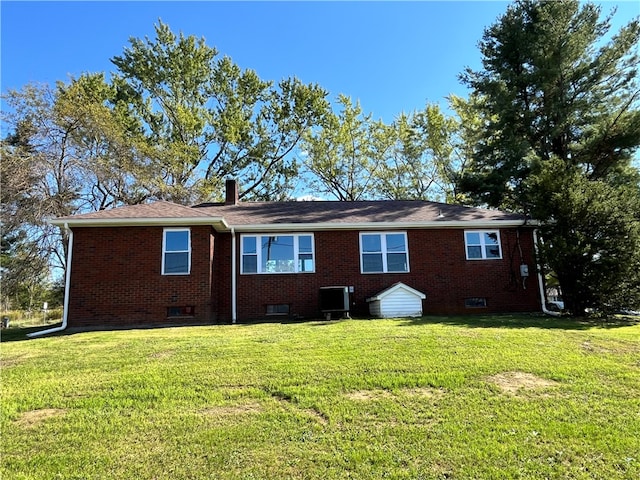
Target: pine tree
[(560, 101)]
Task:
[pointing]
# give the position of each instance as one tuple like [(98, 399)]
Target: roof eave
[(222, 225), (290, 227), (218, 222)]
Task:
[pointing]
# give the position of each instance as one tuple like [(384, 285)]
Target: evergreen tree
[(592, 238), (559, 100)]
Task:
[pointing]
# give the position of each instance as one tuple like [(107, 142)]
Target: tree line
[(550, 129)]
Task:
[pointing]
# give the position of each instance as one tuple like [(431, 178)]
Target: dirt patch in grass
[(8, 362), (514, 382), (589, 347), (33, 418), (425, 392), (368, 395)]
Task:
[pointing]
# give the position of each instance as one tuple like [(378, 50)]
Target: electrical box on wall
[(524, 270)]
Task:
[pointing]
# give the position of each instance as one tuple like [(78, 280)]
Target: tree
[(108, 142), (23, 272), (421, 162), (206, 119), (69, 151), (593, 239), (41, 175), (554, 89), (345, 153), (20, 261), (170, 125), (468, 130), (547, 91), (417, 157)]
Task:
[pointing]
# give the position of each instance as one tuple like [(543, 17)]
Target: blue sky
[(391, 56)]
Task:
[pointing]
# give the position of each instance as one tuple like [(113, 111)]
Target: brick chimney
[(231, 192)]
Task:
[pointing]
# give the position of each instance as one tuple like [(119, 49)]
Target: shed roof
[(394, 288)]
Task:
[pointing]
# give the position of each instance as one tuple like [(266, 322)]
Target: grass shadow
[(290, 321), (19, 334), (521, 320), (518, 320)]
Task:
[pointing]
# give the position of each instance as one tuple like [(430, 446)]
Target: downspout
[(543, 295), (67, 283), (234, 315)]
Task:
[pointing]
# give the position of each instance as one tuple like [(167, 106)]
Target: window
[(277, 253), (475, 302), (482, 244), (278, 309), (187, 311), (383, 252), (176, 251)]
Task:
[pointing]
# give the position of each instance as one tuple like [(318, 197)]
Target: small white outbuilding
[(399, 300)]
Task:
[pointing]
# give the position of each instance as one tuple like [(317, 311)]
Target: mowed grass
[(457, 398)]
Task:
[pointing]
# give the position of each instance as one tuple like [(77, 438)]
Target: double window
[(176, 251), (482, 244), (291, 253), (384, 252)]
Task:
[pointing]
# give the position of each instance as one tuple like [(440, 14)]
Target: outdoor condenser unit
[(334, 300)]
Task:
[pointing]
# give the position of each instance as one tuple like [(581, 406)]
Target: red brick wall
[(221, 285), (116, 278), (438, 268)]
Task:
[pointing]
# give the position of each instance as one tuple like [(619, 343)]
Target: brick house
[(163, 263)]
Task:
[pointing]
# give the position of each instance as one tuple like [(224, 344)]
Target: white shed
[(399, 300)]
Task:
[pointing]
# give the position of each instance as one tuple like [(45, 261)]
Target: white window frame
[(164, 250), (384, 252), (258, 254), (482, 245)]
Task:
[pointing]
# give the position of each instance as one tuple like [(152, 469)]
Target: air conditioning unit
[(334, 300)]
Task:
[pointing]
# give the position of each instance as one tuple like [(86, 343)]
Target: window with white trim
[(482, 244), (289, 253), (384, 252), (176, 251)]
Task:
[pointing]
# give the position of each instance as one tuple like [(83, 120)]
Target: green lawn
[(461, 397)]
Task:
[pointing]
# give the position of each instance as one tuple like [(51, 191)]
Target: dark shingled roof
[(412, 211), (159, 209), (327, 213)]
